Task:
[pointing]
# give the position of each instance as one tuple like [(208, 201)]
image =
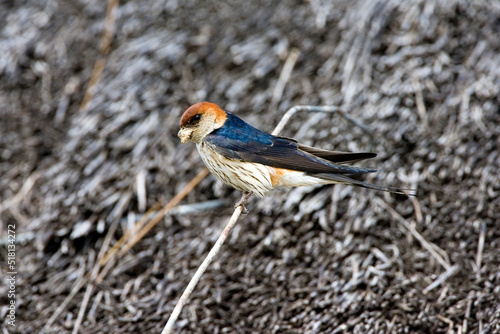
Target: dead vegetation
[(424, 75)]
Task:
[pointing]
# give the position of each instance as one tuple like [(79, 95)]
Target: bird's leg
[(243, 200)]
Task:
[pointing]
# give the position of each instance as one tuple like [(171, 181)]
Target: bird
[(256, 162)]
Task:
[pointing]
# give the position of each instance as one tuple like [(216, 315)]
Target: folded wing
[(239, 140)]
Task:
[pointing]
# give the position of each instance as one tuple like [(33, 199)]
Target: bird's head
[(199, 120)]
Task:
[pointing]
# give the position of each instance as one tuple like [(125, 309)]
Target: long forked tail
[(338, 178)]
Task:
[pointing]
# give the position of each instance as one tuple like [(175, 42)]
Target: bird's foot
[(243, 201), (244, 211)]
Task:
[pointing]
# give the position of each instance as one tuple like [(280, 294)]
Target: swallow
[(256, 162)]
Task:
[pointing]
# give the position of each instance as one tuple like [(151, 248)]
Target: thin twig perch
[(203, 267)]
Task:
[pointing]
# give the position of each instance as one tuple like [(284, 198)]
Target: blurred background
[(423, 75)]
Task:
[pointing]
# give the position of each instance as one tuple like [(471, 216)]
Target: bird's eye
[(195, 119)]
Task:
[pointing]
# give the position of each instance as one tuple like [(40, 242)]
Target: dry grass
[(425, 75)]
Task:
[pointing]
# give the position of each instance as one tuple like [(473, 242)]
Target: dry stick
[(418, 209), (480, 248), (442, 278), (419, 98), (284, 77), (93, 276), (81, 282), (431, 248), (467, 315), (330, 109), (107, 36), (203, 267), (22, 193), (448, 321), (137, 226), (173, 202)]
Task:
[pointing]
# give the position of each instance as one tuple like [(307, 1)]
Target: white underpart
[(253, 177), (300, 179)]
